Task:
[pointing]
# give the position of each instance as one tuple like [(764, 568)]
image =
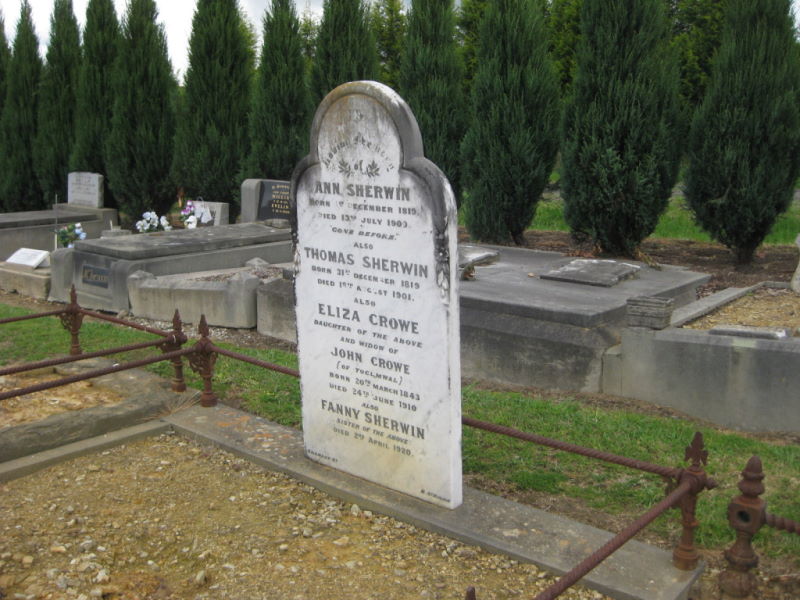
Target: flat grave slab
[(515, 284), (30, 218), (185, 241), (100, 268)]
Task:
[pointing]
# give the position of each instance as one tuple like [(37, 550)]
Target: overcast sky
[(174, 14)]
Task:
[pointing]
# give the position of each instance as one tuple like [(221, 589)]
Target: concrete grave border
[(637, 571)]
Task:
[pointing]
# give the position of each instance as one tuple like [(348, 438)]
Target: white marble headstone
[(85, 189), (377, 303)]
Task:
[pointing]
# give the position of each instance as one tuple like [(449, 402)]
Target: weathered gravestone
[(265, 200), (85, 189), (377, 304)]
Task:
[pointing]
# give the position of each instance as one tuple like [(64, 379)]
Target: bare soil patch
[(166, 519), (39, 405)]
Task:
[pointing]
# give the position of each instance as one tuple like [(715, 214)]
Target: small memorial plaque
[(377, 303), (274, 201), (602, 273), (85, 189), (28, 257), (96, 276)]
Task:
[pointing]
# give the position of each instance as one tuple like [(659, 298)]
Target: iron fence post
[(746, 514), (685, 555), (71, 319), (202, 362), (174, 342), (470, 595)]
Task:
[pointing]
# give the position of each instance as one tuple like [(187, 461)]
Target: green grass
[(605, 488), (677, 222)]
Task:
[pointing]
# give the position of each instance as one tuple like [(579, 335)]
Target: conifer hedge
[(622, 125), (511, 144), (744, 147)]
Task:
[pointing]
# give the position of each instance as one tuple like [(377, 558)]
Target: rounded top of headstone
[(382, 97)]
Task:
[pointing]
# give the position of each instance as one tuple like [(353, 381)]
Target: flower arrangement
[(67, 236), (188, 216), (151, 222)]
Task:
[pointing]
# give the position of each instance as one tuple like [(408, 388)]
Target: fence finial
[(746, 514)]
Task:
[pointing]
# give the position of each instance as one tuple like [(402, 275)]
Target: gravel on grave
[(764, 307), (165, 518)]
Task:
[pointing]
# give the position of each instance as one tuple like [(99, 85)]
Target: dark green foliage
[(431, 82), (511, 145), (469, 17), (281, 112), (345, 47), (564, 26), (308, 33), (57, 95), (621, 129), (698, 27), (744, 147), (211, 139), (95, 99), (19, 187), (5, 57), (388, 23), (139, 148)]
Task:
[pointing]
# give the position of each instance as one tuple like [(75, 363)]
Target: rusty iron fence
[(685, 484), (684, 488), (747, 514), (72, 316)]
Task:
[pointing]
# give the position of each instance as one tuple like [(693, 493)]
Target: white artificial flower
[(191, 222)]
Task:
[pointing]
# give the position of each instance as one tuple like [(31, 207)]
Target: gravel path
[(164, 519)]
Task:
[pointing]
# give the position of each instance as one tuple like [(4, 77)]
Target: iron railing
[(747, 514), (71, 317), (685, 483)]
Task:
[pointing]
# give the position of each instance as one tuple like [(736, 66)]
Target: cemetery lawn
[(589, 491)]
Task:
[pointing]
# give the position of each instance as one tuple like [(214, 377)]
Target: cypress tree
[(744, 146), (468, 22), (621, 128), (511, 144), (19, 187), (345, 47), (57, 94), (5, 57), (139, 148), (698, 31), (308, 33), (388, 23), (564, 24), (101, 38), (211, 139), (431, 80), (281, 111)]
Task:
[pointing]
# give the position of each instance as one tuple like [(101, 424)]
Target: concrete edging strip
[(635, 572), (26, 465)]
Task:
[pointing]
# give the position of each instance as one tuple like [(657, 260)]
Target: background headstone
[(377, 299), (265, 200), (274, 200), (85, 189)]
